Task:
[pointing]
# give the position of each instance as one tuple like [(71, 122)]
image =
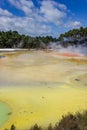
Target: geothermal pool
[(4, 112), (40, 87)]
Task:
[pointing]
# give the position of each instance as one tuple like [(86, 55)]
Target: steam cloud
[(78, 49)]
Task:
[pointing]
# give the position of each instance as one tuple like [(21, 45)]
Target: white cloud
[(25, 25), (76, 24), (51, 12), (37, 20), (73, 24), (62, 6), (24, 5), (4, 12)]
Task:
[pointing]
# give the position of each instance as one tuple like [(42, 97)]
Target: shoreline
[(12, 50), (61, 53)]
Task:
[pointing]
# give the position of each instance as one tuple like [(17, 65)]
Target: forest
[(12, 39)]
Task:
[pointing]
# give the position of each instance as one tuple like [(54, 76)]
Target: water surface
[(4, 113)]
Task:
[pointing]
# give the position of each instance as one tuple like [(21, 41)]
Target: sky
[(42, 17)]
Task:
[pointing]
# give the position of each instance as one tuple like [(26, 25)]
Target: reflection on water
[(42, 86)]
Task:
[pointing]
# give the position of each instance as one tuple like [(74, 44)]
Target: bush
[(13, 127), (69, 122), (35, 127)]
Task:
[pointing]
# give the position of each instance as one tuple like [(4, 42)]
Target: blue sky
[(42, 17)]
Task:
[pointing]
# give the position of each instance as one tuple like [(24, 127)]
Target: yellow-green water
[(5, 112), (41, 86)]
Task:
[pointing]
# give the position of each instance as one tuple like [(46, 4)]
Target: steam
[(77, 49)]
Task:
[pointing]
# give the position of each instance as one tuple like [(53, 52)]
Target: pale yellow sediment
[(42, 105), (49, 89)]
